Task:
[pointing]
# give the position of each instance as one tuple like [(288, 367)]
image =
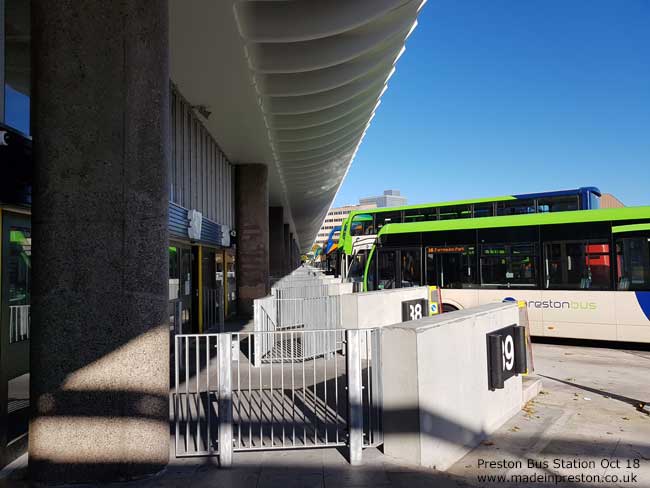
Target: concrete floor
[(586, 412)]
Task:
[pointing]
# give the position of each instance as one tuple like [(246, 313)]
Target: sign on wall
[(195, 223), (414, 309), (435, 301), (506, 355)]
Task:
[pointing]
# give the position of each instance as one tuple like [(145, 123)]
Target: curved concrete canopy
[(292, 84)]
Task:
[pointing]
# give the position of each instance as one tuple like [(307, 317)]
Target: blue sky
[(506, 96)]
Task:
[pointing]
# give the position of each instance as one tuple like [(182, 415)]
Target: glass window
[(483, 210), (174, 273), (387, 270), (594, 200), (633, 263), (515, 207), (388, 218), (558, 204), (410, 266), (357, 266), (508, 265), (420, 214), (456, 212), (363, 225), (451, 266), (17, 64), (577, 265), (19, 270)]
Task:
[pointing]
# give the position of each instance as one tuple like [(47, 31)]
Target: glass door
[(15, 323), (451, 266)]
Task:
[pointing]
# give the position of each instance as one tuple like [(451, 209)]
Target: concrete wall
[(437, 404), (339, 289), (377, 308)]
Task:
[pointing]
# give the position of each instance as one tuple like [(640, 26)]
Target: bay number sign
[(506, 355)]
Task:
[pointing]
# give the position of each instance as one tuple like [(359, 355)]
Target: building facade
[(607, 200), (335, 218), (390, 198)]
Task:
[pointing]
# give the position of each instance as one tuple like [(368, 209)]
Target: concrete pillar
[(276, 242), (252, 213), (292, 251), (296, 253), (287, 250), (100, 337)]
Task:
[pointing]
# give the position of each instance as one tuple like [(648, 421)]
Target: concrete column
[(252, 212), (287, 250), (295, 253), (276, 241), (100, 337), (292, 251)]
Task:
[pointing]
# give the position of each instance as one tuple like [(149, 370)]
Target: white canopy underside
[(292, 84)]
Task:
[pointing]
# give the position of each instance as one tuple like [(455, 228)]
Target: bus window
[(558, 204), (420, 214), (411, 271), (506, 265), (516, 207), (387, 270), (633, 259), (357, 266), (451, 266), (388, 218), (459, 212), (483, 210), (574, 265)]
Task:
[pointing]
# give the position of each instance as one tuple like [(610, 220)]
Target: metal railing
[(19, 323), (292, 401), (213, 309), (296, 314), (221, 403), (199, 392)]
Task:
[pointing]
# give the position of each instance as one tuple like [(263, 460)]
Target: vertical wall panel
[(187, 188), (201, 175)]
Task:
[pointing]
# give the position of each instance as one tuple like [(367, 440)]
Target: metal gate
[(222, 401)]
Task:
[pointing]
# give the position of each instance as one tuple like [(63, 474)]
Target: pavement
[(586, 422)]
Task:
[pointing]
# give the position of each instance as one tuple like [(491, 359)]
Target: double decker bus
[(360, 229), (584, 274)]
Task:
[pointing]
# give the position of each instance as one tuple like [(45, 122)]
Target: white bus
[(584, 274)]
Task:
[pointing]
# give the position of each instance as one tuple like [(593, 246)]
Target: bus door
[(399, 268), (450, 266)]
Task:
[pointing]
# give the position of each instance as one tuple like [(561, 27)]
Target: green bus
[(359, 230), (583, 274)]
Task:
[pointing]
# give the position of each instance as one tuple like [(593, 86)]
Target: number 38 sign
[(414, 309), (506, 350)]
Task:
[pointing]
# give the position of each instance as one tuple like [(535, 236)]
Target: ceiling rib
[(320, 69)]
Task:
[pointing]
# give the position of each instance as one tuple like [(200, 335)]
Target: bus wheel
[(446, 307)]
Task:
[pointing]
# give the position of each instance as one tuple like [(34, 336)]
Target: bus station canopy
[(290, 84)]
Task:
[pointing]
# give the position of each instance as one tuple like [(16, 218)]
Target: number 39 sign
[(506, 355)]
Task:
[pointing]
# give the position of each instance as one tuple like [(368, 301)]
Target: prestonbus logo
[(558, 304)]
